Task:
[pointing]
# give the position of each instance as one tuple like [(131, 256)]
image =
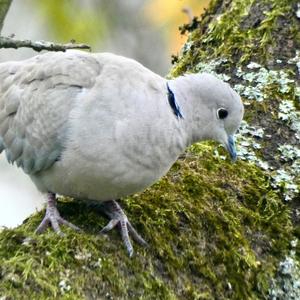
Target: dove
[(98, 126)]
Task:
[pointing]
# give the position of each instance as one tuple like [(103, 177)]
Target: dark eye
[(222, 113)]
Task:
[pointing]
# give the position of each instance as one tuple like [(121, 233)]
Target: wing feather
[(36, 97)]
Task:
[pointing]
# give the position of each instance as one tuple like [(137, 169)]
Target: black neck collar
[(172, 101)]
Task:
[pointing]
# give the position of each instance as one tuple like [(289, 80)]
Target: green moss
[(215, 229), (242, 31)]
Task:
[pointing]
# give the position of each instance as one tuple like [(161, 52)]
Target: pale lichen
[(286, 285), (289, 114)]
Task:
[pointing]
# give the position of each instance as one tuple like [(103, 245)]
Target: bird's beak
[(230, 146)]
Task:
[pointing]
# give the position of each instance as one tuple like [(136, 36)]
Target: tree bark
[(267, 33), (4, 6), (215, 230)]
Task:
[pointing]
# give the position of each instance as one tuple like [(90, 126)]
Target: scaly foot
[(53, 218), (118, 217)]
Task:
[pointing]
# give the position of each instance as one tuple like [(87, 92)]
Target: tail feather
[(1, 104), (1, 145), (4, 74)]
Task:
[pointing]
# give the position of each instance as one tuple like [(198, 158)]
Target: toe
[(43, 225), (125, 237), (69, 224), (136, 236), (55, 225), (112, 224)]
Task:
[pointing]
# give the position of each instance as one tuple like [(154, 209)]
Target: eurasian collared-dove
[(101, 126)]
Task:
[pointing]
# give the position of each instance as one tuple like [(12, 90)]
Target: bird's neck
[(190, 122)]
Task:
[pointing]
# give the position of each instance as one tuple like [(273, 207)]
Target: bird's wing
[(36, 97)]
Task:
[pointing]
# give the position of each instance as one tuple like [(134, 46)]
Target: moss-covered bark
[(4, 6), (216, 230)]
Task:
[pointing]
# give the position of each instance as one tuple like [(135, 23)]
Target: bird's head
[(216, 111)]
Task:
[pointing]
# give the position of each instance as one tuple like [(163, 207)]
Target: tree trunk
[(216, 230), (230, 37)]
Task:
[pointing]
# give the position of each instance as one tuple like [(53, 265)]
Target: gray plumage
[(100, 126)]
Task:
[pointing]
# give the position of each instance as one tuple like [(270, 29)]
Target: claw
[(111, 208), (118, 217), (53, 218)]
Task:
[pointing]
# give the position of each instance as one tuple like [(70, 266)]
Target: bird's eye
[(222, 113)]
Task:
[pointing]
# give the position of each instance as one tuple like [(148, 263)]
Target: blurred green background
[(142, 29)]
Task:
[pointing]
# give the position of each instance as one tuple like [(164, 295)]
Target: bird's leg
[(118, 217), (53, 218)]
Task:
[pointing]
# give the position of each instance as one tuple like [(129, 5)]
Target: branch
[(8, 42), (4, 6)]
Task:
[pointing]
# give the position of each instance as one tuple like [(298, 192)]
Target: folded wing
[(36, 97)]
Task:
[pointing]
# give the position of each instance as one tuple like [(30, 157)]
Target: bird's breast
[(113, 152), (111, 176)]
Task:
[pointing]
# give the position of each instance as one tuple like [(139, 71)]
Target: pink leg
[(118, 217), (53, 218)]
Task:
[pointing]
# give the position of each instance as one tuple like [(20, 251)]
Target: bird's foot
[(118, 217), (53, 218)]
